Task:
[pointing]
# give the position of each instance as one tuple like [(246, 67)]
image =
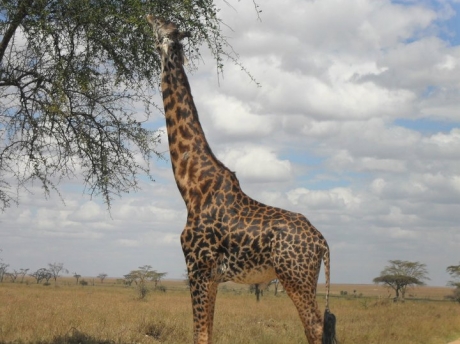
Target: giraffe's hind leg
[(309, 313), (297, 267)]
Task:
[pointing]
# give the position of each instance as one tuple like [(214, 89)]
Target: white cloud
[(399, 233), (336, 198), (419, 64), (388, 165), (145, 212), (88, 212), (331, 98), (231, 117), (450, 139), (257, 164), (128, 243)]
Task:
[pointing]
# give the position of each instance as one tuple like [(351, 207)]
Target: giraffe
[(229, 236)]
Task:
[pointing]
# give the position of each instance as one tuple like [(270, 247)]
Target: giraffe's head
[(166, 33)]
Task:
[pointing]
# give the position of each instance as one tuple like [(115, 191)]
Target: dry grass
[(111, 313)]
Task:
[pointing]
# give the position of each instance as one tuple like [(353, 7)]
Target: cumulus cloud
[(337, 198), (231, 117), (257, 164), (88, 212)]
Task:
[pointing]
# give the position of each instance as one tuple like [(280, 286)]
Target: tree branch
[(17, 19)]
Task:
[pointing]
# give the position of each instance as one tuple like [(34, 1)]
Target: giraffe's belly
[(255, 275)]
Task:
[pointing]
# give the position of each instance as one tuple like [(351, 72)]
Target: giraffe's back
[(256, 240)]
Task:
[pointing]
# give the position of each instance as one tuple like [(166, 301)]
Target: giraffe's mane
[(165, 44), (169, 44)]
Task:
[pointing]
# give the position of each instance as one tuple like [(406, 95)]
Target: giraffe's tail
[(329, 318)]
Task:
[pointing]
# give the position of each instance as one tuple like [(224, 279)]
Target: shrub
[(161, 288), (455, 296), (142, 290)]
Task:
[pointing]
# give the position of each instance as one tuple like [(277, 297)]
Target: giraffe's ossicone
[(229, 236)]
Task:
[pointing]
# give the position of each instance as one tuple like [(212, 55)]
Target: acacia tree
[(23, 273), (3, 270), (128, 279), (102, 276), (258, 289), (55, 269), (77, 277), (276, 283), (401, 274), (13, 275), (157, 277), (141, 276), (42, 274), (454, 272), (76, 79)]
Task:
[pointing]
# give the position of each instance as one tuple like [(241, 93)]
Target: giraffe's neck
[(196, 170)]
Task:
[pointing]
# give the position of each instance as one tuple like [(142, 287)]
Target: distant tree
[(128, 279), (36, 275), (102, 276), (276, 283), (77, 276), (141, 276), (41, 274), (56, 269), (23, 273), (47, 276), (454, 272), (258, 289), (3, 270), (13, 275), (400, 275), (157, 277), (146, 273)]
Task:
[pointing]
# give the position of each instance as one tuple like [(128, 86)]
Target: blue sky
[(355, 125), (426, 126), (450, 29)]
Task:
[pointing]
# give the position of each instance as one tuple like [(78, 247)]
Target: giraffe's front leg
[(203, 291), (212, 293)]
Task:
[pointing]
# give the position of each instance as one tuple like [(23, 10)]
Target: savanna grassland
[(112, 313)]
